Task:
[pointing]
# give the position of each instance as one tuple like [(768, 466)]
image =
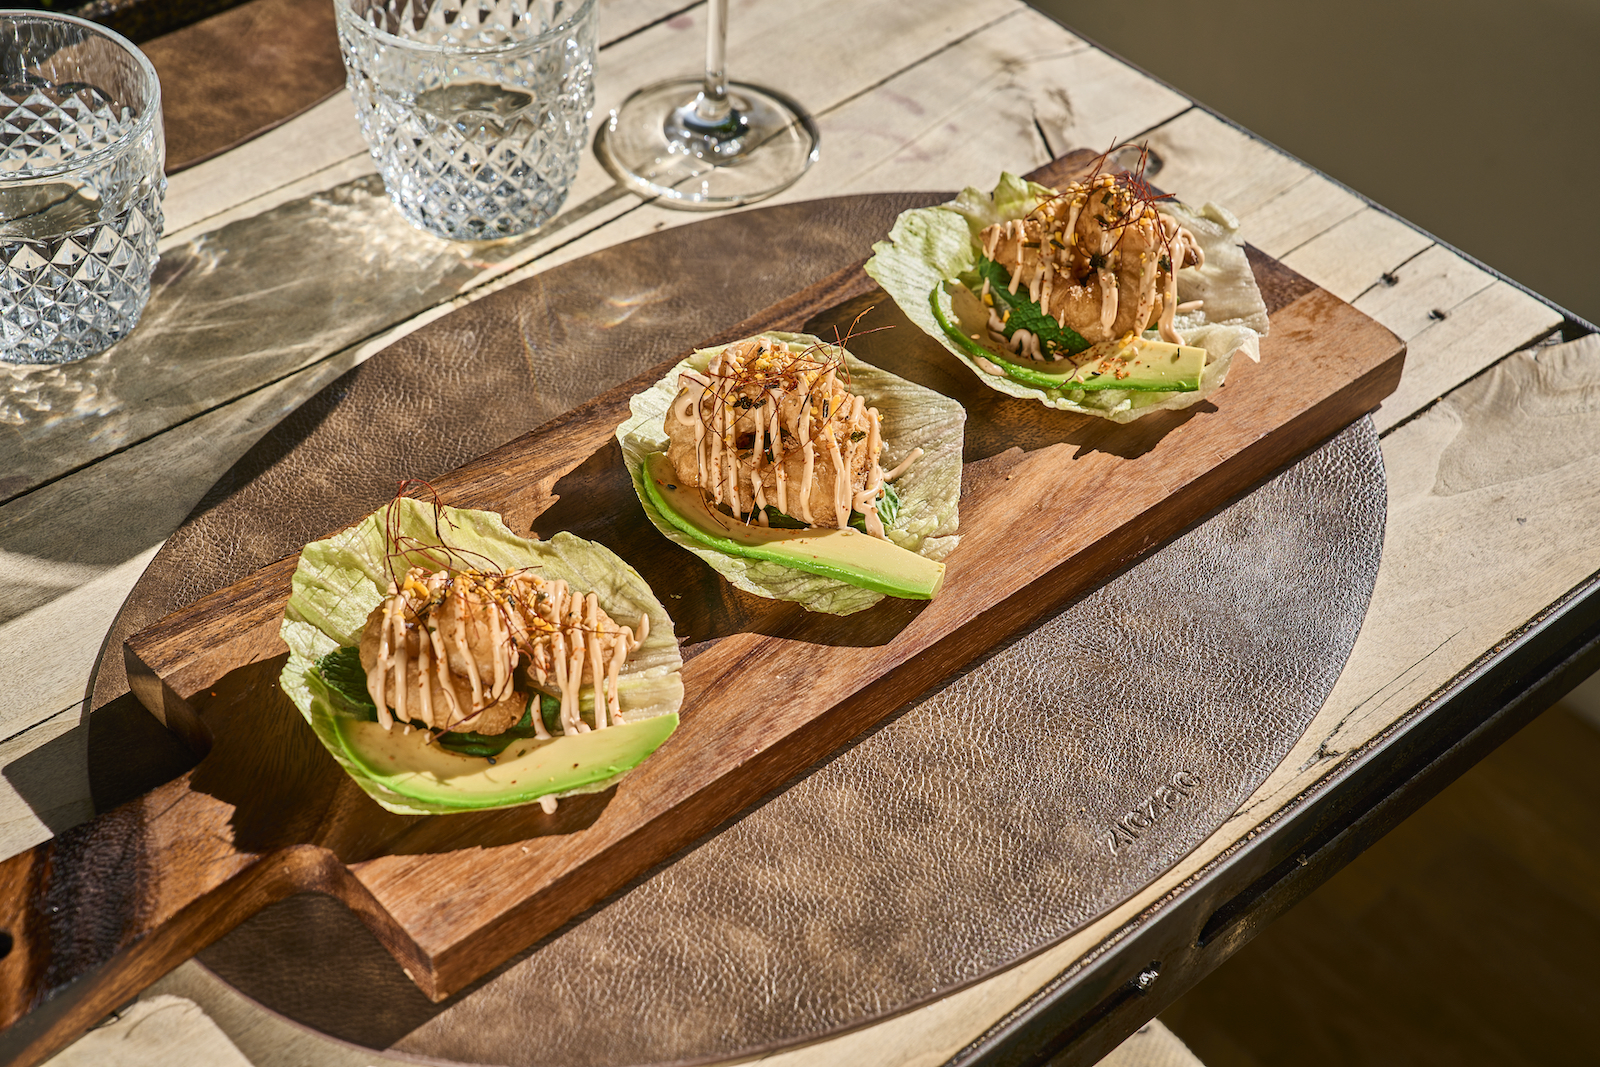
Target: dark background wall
[(1467, 936), (1478, 120)]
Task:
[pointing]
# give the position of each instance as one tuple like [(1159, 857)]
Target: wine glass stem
[(712, 108)]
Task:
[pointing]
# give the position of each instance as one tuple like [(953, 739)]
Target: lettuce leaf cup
[(936, 267), (918, 509), (341, 583)]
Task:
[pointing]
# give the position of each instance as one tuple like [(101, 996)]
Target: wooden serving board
[(1052, 504)]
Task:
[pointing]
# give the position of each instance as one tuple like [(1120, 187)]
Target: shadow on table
[(49, 779)]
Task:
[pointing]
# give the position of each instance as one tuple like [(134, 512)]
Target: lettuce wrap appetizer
[(1101, 298), (450, 665), (800, 473)]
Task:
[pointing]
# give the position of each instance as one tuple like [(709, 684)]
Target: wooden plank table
[(1485, 607)]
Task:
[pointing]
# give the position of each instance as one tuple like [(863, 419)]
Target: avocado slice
[(847, 555), (525, 771), (1147, 366)]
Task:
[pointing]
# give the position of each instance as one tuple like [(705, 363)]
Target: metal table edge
[(1095, 1004)]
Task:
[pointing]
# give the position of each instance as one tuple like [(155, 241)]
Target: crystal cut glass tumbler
[(81, 182), (476, 112)]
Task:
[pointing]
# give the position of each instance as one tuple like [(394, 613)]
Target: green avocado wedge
[(846, 554), (525, 771), (1156, 367)]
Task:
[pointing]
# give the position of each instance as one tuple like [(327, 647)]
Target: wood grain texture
[(293, 263), (1462, 339), (266, 813), (160, 1031), (50, 657), (1352, 257), (269, 815)]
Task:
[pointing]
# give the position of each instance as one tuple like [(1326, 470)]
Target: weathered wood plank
[(1302, 213), (320, 150), (1426, 288), (1457, 320), (1471, 337), (65, 570), (45, 786), (1353, 256), (1203, 158), (50, 651), (158, 1031), (619, 18), (266, 1039), (1489, 492), (203, 343), (320, 139), (969, 108)]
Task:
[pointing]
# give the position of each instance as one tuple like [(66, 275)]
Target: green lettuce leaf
[(929, 247), (338, 582), (925, 518)]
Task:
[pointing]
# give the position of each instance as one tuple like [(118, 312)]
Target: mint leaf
[(347, 683), (1027, 315), (888, 509), (471, 743)]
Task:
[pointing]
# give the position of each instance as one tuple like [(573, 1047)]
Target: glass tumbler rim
[(147, 115), (347, 18)]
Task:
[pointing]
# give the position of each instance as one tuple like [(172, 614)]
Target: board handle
[(92, 917)]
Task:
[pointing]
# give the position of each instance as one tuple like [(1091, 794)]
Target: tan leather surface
[(969, 830), (237, 74)]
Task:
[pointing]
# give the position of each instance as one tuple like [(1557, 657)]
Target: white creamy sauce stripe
[(501, 618), (787, 401)]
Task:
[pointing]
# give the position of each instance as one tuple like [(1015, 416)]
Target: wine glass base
[(652, 145)]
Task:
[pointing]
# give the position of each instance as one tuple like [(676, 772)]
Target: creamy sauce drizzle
[(787, 401), (443, 648), (1074, 253)]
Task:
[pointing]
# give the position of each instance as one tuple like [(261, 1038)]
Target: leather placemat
[(240, 73), (940, 847), (143, 20)]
